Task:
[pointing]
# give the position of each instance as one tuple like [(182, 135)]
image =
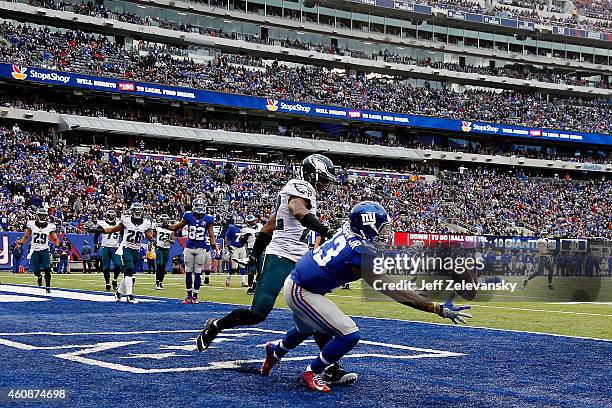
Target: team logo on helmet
[(272, 105), (19, 72)]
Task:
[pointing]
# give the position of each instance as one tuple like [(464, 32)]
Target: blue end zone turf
[(107, 353)]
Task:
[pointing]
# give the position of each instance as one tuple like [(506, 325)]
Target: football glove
[(247, 262), (452, 312)]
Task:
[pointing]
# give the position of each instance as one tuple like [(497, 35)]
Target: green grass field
[(518, 311)]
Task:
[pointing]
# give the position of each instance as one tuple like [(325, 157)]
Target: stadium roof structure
[(124, 127)]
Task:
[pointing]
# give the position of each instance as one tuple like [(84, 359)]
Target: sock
[(333, 351), (117, 273), (48, 277), (292, 339), (206, 277), (238, 317), (106, 276), (250, 279), (188, 283), (243, 276), (122, 286), (129, 283), (197, 284)]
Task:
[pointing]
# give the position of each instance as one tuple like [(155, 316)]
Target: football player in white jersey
[(164, 239), (135, 228), (250, 232), (42, 232), (110, 243), (284, 239)]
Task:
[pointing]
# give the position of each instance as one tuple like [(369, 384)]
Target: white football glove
[(452, 312)]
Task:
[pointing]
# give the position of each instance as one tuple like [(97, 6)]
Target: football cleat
[(117, 296), (131, 299), (195, 301), (207, 335), (250, 291), (187, 301), (551, 287), (315, 381), (114, 284), (335, 374), (107, 288), (525, 281), (270, 361), (158, 286), (48, 290), (244, 285), (161, 285)]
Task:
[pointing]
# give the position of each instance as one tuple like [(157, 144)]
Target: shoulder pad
[(300, 188)]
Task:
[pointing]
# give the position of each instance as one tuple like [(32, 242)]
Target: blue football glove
[(452, 312)]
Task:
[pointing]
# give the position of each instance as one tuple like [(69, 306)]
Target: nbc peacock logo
[(19, 72), (272, 105), (466, 126)]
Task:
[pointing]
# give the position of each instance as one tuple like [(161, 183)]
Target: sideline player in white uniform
[(110, 243), (164, 239), (42, 232), (284, 239), (250, 232), (346, 257), (135, 228)]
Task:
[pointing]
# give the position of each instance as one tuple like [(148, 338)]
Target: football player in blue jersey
[(197, 253), (236, 245), (341, 259)]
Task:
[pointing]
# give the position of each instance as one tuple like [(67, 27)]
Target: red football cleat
[(187, 300), (195, 301), (270, 360), (315, 382)]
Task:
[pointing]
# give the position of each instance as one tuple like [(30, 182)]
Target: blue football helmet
[(198, 206), (370, 221)]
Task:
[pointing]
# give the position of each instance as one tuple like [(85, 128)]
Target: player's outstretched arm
[(298, 207), (117, 228), (213, 240), (178, 226), (54, 238), (412, 299), (263, 239), (26, 236)]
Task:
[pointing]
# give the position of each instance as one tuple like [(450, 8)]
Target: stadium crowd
[(162, 114), (83, 52), (77, 186), (569, 78), (591, 14)]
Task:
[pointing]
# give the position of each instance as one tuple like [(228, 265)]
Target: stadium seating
[(82, 52), (78, 186)]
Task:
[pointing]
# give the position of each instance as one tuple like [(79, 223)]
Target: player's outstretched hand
[(247, 262), (449, 311)]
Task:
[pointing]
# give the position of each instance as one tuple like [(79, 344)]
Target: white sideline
[(64, 294)]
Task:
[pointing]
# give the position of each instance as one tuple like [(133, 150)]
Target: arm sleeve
[(311, 222)]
